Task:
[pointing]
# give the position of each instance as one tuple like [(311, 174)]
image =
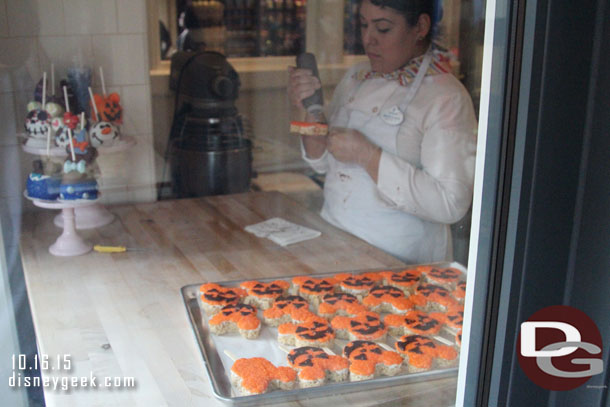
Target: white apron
[(352, 201)]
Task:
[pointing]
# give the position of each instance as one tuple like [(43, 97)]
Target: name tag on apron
[(392, 116)]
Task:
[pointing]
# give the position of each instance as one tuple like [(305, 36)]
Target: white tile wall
[(137, 115), (123, 58), (19, 61), (35, 17), (64, 52), (132, 16), (3, 19), (90, 16)]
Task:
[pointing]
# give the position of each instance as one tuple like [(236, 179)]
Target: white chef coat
[(426, 171)]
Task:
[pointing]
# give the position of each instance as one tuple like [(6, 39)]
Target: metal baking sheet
[(212, 350)]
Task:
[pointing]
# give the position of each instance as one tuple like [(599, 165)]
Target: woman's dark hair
[(412, 9)]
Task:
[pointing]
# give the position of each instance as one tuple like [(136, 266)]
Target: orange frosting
[(257, 373), (362, 282), (422, 350), (215, 294), (415, 321), (454, 317), (273, 289), (390, 295), (441, 275), (315, 286), (241, 314), (433, 293), (295, 306), (313, 362), (365, 355), (340, 301), (365, 326), (313, 330), (404, 278)]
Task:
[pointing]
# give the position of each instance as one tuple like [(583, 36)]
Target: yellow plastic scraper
[(114, 249)]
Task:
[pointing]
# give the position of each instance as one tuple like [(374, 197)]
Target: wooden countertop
[(122, 315)]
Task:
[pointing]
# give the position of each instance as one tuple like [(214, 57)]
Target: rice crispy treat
[(236, 318), (258, 375), (413, 323), (357, 284), (366, 326), (368, 359), (262, 295), (313, 289), (445, 277), (431, 298), (422, 353), (387, 299), (293, 308), (406, 280), (460, 291), (313, 332), (453, 318), (340, 304), (316, 367), (214, 297)]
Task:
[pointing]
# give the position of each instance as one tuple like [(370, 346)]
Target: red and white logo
[(560, 348)]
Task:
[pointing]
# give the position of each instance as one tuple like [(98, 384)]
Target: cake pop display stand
[(69, 243), (91, 216)]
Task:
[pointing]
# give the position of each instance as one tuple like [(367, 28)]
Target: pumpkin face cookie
[(445, 277), (236, 318), (262, 295), (422, 353), (430, 297), (366, 326), (359, 284), (460, 291), (413, 323), (387, 299), (315, 366), (313, 289), (258, 375), (314, 332), (453, 319), (405, 280), (368, 359), (293, 308), (214, 297), (340, 304)]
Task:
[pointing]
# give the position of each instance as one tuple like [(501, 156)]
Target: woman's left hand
[(350, 146)]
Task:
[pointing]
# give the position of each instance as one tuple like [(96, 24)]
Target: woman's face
[(388, 40)]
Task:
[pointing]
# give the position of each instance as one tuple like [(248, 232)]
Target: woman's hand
[(351, 146), (301, 85)]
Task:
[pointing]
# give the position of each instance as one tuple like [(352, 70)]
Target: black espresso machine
[(209, 148)]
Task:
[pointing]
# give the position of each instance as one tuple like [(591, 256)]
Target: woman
[(399, 156)]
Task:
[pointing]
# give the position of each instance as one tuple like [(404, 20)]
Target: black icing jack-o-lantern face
[(314, 330), (362, 350), (386, 290), (362, 282), (406, 276), (240, 309), (447, 274), (294, 301), (306, 356), (317, 286), (455, 317), (267, 289), (366, 324), (222, 295), (421, 322), (338, 298), (430, 289), (415, 344)]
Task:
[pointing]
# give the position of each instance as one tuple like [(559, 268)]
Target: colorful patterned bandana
[(440, 64)]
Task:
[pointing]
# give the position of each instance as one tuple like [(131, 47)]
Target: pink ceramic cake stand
[(69, 243), (90, 216)]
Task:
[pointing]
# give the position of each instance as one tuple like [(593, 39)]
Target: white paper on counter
[(282, 232)]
